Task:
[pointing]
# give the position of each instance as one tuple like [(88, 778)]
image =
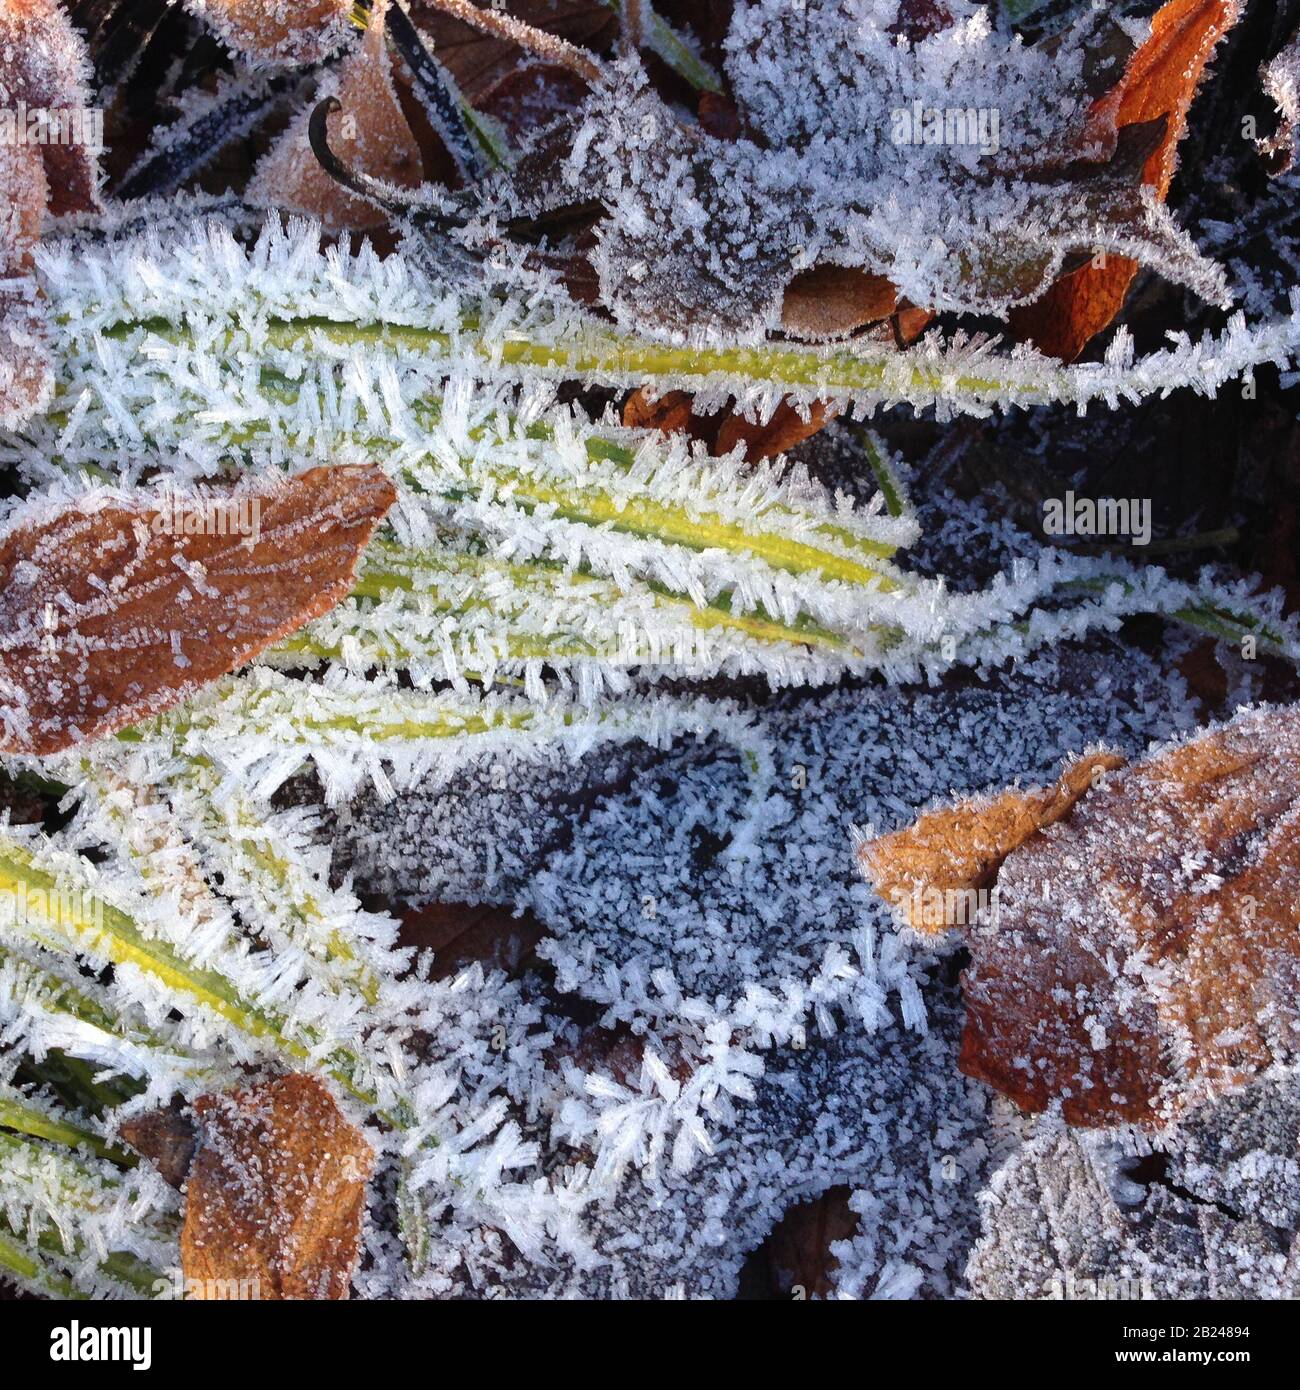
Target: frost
[(841, 167)]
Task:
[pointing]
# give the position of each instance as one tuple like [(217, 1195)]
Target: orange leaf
[(1160, 81), (110, 614), (276, 1194), (291, 32), (829, 301), (1145, 952), (782, 432), (369, 133), (959, 849), (670, 412)]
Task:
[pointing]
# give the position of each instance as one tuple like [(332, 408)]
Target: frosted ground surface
[(780, 1037)]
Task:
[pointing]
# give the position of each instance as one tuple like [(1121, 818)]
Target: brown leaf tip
[(276, 1194), (934, 872)]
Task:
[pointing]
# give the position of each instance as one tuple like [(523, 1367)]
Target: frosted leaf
[(704, 234), (1139, 955), (114, 611), (276, 1194), (278, 32), (44, 68), (369, 133)]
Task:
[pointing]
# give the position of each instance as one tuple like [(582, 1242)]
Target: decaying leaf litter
[(599, 591)]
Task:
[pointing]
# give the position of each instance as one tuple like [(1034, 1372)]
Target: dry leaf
[(279, 31), (799, 1246), (782, 432), (530, 97), (671, 412), (1160, 82), (1144, 954), (959, 849), (109, 614), (369, 133), (166, 1138), (460, 935), (478, 61), (43, 67), (277, 1192), (829, 301)]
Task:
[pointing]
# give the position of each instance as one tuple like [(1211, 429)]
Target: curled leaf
[(1159, 85), (111, 613), (1144, 954), (368, 132), (276, 1194), (959, 849)]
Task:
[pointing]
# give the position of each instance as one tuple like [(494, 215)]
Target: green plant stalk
[(79, 1182), (28, 1119), (391, 569), (60, 997), (664, 41), (602, 355), (277, 867), (29, 1270), (642, 517), (119, 940)]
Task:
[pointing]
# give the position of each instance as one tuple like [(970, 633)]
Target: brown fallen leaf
[(276, 1194), (278, 31), (530, 97), (166, 1138), (109, 614), (459, 934), (959, 849), (1145, 951), (674, 413), (671, 412), (782, 432), (829, 301), (478, 61), (42, 59), (799, 1246), (1160, 82), (369, 133)]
